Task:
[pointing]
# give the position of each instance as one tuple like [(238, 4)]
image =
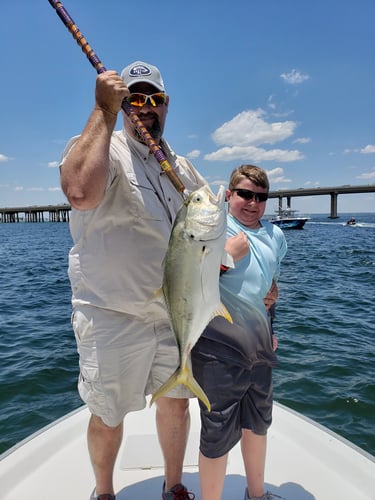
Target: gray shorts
[(121, 361), (240, 399)]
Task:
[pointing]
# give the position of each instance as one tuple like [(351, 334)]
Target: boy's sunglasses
[(246, 194), (141, 99)]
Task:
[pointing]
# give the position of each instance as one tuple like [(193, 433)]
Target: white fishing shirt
[(116, 260)]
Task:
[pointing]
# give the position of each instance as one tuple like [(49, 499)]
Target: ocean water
[(325, 326)]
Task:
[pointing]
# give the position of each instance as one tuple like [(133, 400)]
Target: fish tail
[(183, 376)]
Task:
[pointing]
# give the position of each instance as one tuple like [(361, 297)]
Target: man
[(123, 208)]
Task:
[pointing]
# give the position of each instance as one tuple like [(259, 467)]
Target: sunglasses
[(246, 194), (141, 99)]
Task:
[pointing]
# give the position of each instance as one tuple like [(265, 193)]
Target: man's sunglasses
[(141, 99), (246, 194)]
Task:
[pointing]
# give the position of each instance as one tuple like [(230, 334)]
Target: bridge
[(60, 213), (333, 192), (52, 213)]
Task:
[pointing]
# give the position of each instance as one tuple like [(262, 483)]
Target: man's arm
[(84, 172)]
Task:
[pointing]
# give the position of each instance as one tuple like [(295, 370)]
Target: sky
[(287, 85)]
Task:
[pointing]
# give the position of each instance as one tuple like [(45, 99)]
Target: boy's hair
[(255, 174)]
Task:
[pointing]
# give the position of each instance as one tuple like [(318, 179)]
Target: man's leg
[(104, 443), (173, 425)]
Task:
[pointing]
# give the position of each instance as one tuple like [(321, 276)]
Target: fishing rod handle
[(99, 67)]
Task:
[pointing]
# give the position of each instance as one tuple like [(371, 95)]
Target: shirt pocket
[(145, 202)]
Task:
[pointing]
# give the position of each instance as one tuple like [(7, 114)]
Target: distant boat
[(305, 461), (286, 219)]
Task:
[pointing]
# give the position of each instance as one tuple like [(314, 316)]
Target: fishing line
[(99, 67)]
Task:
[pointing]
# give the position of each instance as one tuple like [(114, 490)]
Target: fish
[(191, 271)]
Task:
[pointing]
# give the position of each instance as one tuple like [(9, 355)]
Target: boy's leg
[(253, 448), (211, 475)]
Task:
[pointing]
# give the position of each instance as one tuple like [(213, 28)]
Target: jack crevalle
[(190, 288)]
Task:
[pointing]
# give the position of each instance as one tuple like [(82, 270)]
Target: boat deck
[(305, 462)]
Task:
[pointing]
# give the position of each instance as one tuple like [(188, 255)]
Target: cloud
[(194, 154), (241, 137), (276, 176), (370, 148), (312, 183), (54, 189), (253, 154), (294, 77), (249, 128), (219, 182), (53, 164), (367, 175), (302, 140), (4, 158)]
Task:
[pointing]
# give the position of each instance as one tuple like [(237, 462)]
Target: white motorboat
[(305, 461), (286, 219)]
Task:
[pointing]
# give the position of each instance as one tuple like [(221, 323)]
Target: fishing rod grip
[(98, 65)]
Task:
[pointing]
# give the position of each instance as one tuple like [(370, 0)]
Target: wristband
[(223, 269)]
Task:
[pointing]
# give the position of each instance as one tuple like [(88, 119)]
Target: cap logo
[(140, 70)]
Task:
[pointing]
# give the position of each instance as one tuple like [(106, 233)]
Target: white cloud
[(249, 128), (276, 176), (54, 189), (194, 154), (53, 164), (242, 135), (294, 77), (253, 154), (367, 175), (370, 148), (4, 158), (302, 140), (18, 188), (312, 183)]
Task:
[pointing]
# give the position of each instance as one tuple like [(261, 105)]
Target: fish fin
[(157, 296), (222, 311), (183, 376), (227, 259)]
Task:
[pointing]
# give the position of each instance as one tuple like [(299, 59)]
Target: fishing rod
[(97, 64)]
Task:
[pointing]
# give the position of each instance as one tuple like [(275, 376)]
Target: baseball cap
[(142, 72)]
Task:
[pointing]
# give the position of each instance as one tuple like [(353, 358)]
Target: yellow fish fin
[(183, 376), (157, 296), (222, 311)]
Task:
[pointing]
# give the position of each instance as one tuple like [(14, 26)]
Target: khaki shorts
[(121, 361)]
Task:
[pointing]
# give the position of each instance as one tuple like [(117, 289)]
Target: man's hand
[(110, 91)]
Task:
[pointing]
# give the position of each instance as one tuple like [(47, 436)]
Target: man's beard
[(154, 130)]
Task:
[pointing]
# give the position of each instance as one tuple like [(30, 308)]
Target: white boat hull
[(305, 462)]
